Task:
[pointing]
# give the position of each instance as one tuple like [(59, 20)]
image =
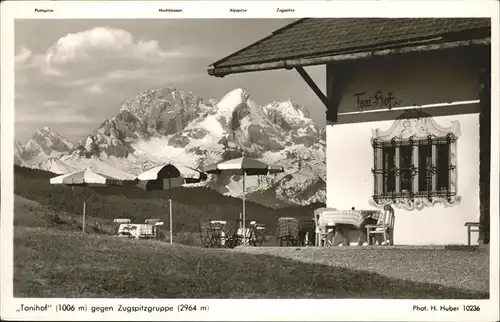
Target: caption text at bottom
[(447, 308), (60, 308)]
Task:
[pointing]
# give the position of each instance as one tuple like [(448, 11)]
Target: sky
[(72, 74)]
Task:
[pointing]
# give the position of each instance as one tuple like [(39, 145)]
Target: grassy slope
[(466, 269), (54, 260), (189, 204), (29, 213), (52, 263)]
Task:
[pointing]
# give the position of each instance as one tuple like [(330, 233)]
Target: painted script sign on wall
[(379, 99)]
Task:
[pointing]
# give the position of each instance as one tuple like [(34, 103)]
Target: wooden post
[(170, 207), (244, 215), (84, 207), (485, 151), (468, 235), (334, 87), (83, 220)]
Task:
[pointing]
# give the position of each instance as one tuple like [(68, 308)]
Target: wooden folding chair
[(384, 227), (323, 227), (218, 235), (205, 233), (259, 234)]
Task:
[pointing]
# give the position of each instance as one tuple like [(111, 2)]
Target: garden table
[(345, 221)]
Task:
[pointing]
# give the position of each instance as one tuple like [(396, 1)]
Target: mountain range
[(43, 145), (171, 125)]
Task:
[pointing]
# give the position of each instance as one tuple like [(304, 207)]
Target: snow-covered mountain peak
[(44, 129), (43, 144), (233, 98), (172, 125), (151, 114), (156, 102), (46, 137), (286, 108), (18, 146), (235, 101)]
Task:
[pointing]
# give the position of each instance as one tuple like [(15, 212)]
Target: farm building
[(408, 115)]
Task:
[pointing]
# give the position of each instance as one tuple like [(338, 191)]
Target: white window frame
[(415, 125)]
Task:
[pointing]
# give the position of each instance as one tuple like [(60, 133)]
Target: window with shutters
[(415, 163)]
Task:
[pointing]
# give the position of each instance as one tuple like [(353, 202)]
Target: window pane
[(406, 157), (443, 166), (388, 167), (425, 160)]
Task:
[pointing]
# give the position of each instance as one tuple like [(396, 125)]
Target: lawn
[(52, 263), (465, 269)]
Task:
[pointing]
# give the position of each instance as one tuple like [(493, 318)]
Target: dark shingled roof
[(315, 37)]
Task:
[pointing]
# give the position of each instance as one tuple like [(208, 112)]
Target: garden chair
[(288, 231), (323, 227), (253, 234), (236, 236), (232, 238), (212, 233), (218, 233), (249, 236), (245, 235), (259, 234), (324, 236), (384, 227), (306, 231), (205, 233)]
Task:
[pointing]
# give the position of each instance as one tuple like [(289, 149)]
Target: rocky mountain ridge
[(171, 125), (43, 144)]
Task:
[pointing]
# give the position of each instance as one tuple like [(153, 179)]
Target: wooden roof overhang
[(313, 42)]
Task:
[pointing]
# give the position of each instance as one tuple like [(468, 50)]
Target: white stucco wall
[(426, 80), (350, 182)]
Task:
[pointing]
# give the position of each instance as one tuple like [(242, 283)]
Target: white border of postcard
[(238, 310)]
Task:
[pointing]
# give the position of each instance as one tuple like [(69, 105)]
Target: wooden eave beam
[(305, 76), (334, 91)]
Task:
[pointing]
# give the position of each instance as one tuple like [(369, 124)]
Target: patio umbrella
[(167, 176), (88, 178), (243, 166)]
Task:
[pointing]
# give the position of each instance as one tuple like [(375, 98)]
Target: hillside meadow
[(54, 263), (190, 205)]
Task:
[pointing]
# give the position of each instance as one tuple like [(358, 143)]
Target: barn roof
[(325, 37)]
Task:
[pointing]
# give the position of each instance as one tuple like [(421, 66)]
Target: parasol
[(167, 176), (243, 166), (87, 178)]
